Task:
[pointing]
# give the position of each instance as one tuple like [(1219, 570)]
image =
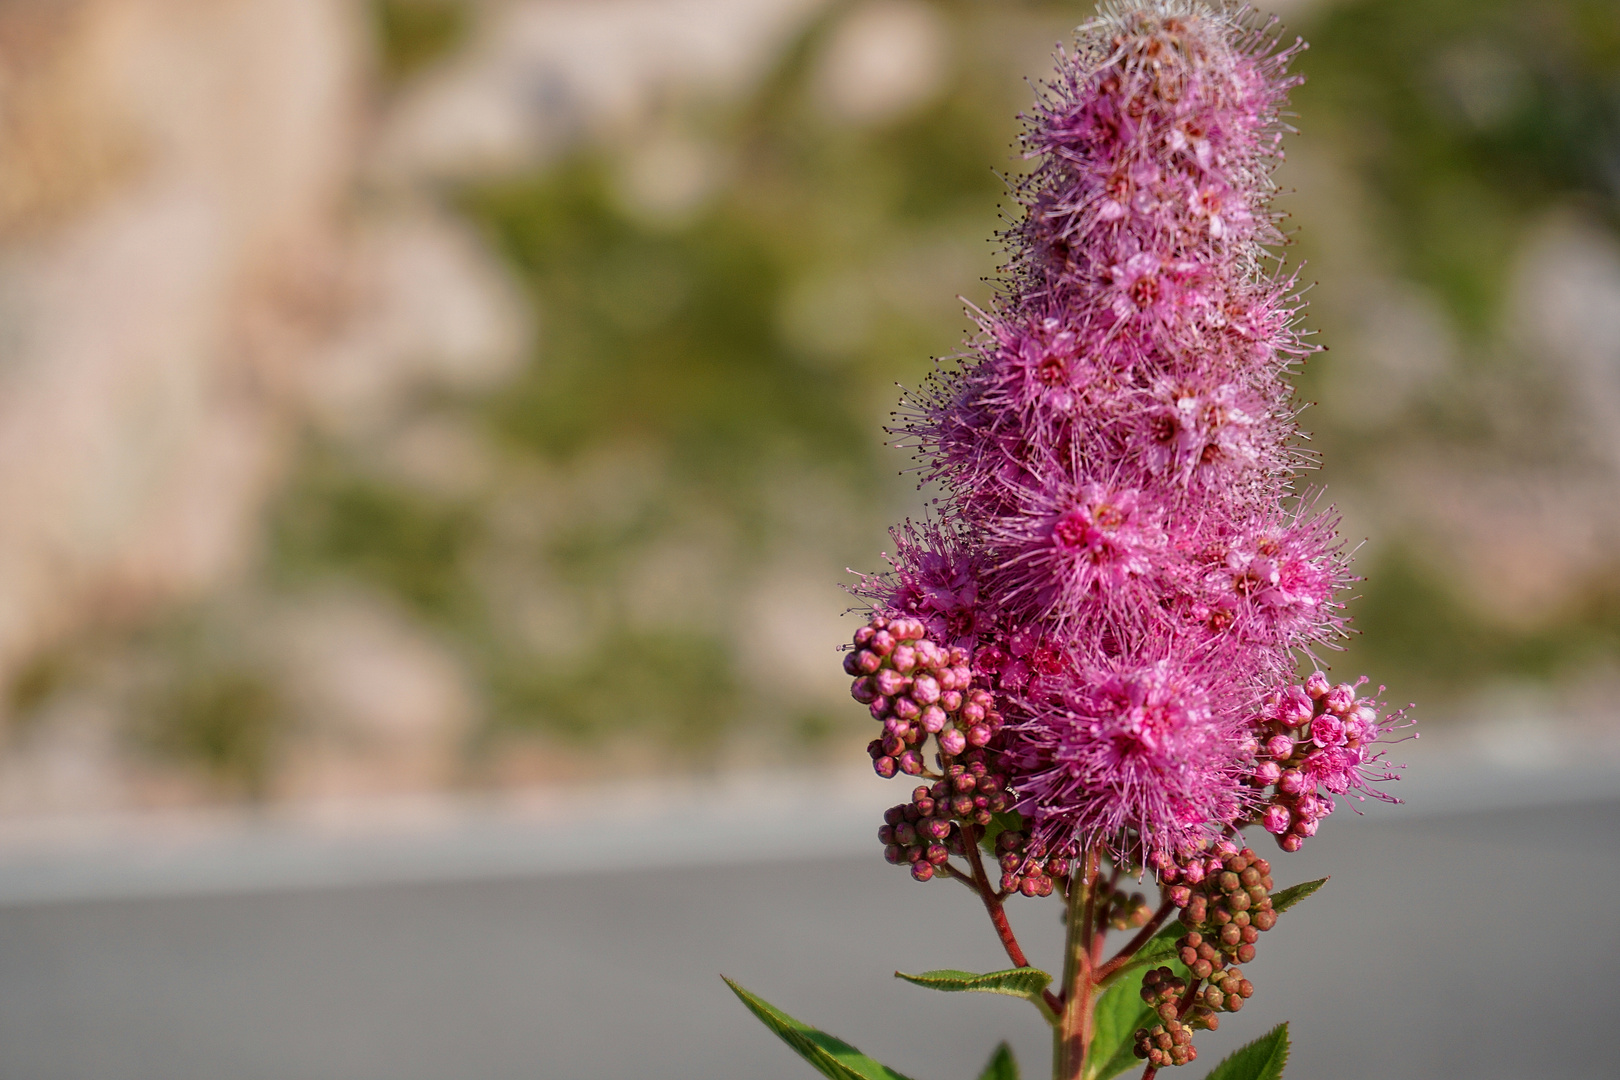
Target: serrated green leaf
[(1017, 982), (1262, 1059), (1119, 1012), (1292, 895), (1002, 1065), (1026, 982), (831, 1057)]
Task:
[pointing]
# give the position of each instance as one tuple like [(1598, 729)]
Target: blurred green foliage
[(1467, 117), (384, 534), (701, 416), (736, 355), (1464, 122), (412, 34)]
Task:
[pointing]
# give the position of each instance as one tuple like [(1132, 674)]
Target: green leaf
[(1002, 1066), (1119, 1012), (1262, 1059), (1015, 982), (1026, 982), (832, 1058), (1281, 902)]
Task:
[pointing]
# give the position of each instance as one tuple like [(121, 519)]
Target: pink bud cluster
[(917, 689), (1317, 741), (1122, 568), (1026, 866)]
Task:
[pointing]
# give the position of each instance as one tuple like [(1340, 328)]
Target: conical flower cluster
[(1122, 552)]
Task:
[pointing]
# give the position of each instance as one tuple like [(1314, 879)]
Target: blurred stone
[(428, 307), (544, 72), (885, 59), (381, 706), (170, 226)]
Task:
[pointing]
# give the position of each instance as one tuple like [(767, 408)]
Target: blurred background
[(424, 395), (476, 399)]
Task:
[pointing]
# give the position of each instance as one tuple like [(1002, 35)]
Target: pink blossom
[(1121, 548), (1130, 756)]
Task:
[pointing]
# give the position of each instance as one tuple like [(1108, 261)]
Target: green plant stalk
[(1072, 1034)]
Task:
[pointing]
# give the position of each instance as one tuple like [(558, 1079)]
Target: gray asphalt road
[(1479, 945)]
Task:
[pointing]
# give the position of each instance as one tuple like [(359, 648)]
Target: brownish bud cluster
[(1226, 910), (926, 831), (1025, 865), (1120, 910), (1169, 1042), (1225, 993)]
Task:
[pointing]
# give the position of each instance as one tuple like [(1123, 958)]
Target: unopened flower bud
[(952, 742), (1341, 699), (1317, 685), (1293, 707)]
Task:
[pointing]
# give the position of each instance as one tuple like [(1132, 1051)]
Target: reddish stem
[(1187, 999), (952, 872), (998, 914)]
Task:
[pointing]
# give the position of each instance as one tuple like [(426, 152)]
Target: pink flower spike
[(1121, 580)]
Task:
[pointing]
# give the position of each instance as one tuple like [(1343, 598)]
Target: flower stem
[(992, 903), (1073, 1035)]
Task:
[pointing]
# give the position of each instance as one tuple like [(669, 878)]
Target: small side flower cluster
[(921, 690), (916, 688), (1317, 741), (926, 831), (1026, 866)]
